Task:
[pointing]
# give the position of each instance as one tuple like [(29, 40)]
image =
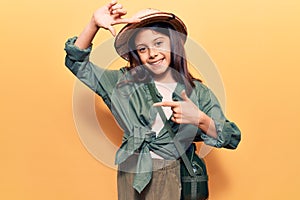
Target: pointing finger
[(166, 104)]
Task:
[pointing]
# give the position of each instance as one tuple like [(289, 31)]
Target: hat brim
[(121, 40)]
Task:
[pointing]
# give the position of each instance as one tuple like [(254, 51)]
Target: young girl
[(153, 43)]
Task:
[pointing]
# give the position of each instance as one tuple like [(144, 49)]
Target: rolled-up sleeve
[(101, 81), (228, 134)]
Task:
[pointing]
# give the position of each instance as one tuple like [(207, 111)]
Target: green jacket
[(131, 105)]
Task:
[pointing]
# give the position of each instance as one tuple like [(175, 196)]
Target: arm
[(206, 124), (79, 48), (86, 37), (214, 128), (228, 134)]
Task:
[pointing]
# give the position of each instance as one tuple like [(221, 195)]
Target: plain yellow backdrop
[(255, 45)]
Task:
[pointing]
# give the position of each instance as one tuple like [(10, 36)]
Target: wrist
[(93, 24), (203, 120), (200, 118)]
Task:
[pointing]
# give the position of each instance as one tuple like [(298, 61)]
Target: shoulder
[(200, 87), (203, 92)]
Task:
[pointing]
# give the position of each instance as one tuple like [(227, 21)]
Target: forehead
[(147, 35)]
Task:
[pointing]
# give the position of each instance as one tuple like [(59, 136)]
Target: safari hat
[(146, 16)]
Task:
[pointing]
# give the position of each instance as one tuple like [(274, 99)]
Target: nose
[(152, 52)]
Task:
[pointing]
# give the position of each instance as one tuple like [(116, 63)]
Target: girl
[(153, 43)]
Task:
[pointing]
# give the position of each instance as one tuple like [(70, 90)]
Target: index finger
[(126, 20), (166, 104)]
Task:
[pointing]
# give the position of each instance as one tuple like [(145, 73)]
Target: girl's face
[(154, 50)]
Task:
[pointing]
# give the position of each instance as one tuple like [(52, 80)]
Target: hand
[(111, 14), (184, 112)]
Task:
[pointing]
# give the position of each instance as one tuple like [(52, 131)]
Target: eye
[(158, 43), (141, 49)]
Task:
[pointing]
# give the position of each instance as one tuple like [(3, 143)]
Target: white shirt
[(166, 90)]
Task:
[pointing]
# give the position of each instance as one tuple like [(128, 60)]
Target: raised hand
[(111, 14), (105, 17)]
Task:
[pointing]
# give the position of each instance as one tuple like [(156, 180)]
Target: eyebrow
[(160, 37)]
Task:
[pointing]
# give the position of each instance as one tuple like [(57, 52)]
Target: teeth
[(157, 62)]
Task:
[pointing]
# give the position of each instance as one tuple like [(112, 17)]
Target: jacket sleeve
[(101, 81), (228, 134)]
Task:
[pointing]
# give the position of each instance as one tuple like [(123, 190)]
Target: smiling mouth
[(156, 63)]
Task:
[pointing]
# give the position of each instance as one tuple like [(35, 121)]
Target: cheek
[(168, 57), (142, 58)]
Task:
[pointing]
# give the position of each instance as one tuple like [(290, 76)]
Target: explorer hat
[(146, 16)]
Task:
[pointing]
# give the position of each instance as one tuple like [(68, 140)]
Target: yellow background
[(255, 45)]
